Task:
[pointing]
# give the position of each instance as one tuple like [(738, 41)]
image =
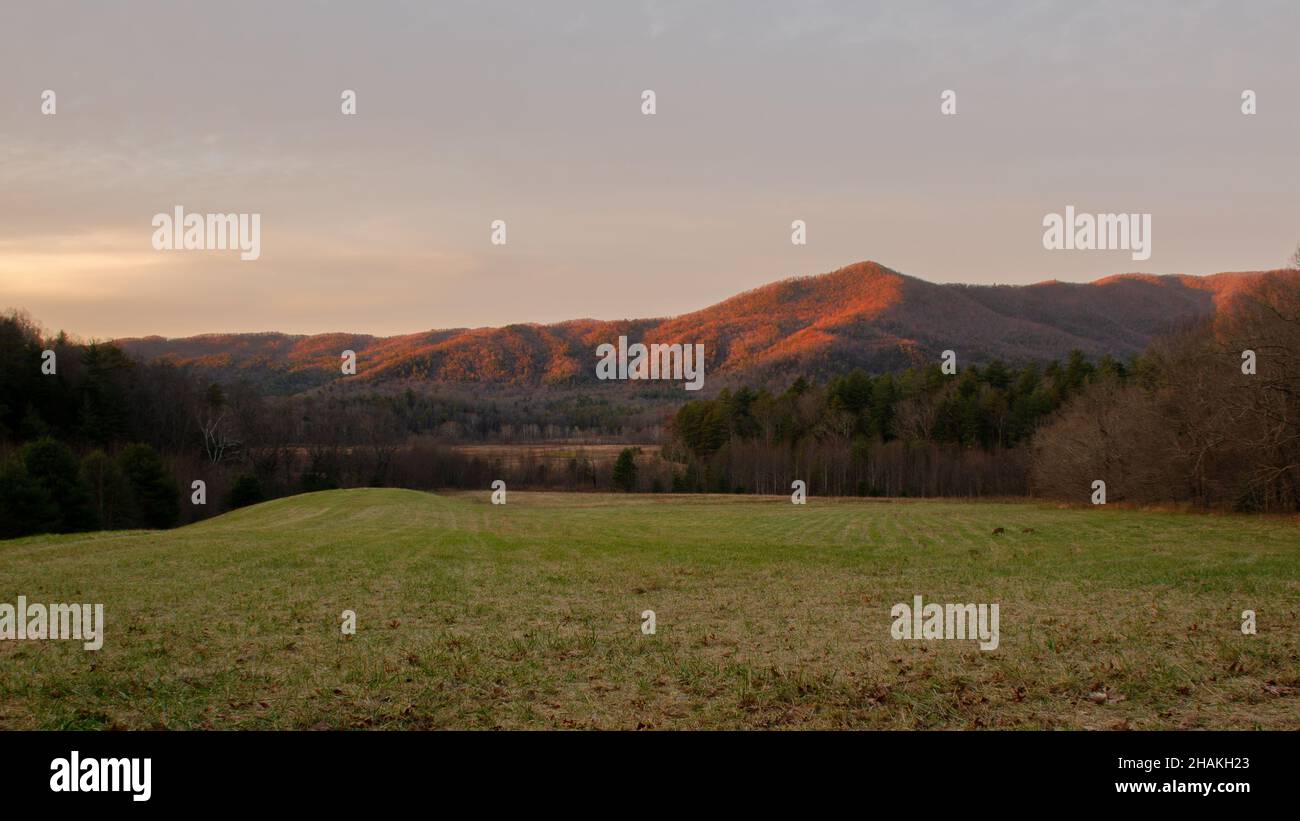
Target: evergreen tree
[(111, 494), (51, 465), (155, 492), (625, 470), (25, 506)]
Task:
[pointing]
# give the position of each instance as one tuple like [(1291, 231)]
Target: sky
[(531, 113)]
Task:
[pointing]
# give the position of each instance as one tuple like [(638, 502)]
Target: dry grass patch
[(769, 615)]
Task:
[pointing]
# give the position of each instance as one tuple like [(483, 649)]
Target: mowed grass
[(768, 616)]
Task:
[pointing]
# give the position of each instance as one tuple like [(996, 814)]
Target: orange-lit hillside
[(864, 315)]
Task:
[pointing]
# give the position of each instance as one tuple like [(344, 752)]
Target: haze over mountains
[(864, 315)]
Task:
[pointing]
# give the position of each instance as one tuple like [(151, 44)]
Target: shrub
[(247, 490), (313, 481)]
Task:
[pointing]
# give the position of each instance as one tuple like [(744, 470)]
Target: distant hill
[(864, 315)]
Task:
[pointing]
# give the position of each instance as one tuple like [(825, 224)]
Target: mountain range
[(863, 315)]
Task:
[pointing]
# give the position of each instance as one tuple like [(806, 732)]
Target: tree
[(25, 506), (1191, 422), (1112, 432), (1261, 411), (914, 418), (625, 470), (20, 352), (218, 440), (51, 465), (111, 494), (103, 397), (155, 492), (883, 396)]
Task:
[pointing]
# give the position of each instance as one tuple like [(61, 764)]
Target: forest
[(1207, 417)]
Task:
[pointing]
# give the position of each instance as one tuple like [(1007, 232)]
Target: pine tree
[(625, 470), (157, 502)]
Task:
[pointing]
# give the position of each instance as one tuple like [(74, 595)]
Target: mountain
[(864, 315)]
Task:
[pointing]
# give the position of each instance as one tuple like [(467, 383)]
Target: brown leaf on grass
[(1105, 696)]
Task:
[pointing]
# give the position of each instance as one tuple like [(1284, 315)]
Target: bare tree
[(1216, 421), (914, 418), (218, 439)]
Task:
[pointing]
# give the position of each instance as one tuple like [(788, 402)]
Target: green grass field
[(768, 615)]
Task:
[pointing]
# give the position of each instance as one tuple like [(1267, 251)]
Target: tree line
[(919, 432), (1211, 419), (109, 441), (1208, 416)]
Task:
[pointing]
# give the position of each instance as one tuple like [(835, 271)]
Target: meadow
[(768, 615)]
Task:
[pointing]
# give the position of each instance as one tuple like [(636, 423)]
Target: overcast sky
[(531, 113)]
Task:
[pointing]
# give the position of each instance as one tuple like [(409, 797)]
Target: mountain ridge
[(861, 315)]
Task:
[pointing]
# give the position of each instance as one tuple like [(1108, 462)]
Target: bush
[(313, 481), (247, 490)]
